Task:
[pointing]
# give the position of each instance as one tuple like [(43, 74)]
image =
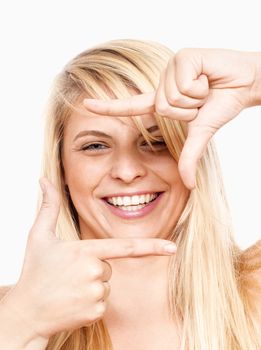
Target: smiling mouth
[(127, 206)]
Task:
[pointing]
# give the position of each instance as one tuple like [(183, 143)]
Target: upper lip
[(137, 193)]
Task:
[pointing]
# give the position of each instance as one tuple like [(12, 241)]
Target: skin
[(69, 279), (123, 164), (206, 87)]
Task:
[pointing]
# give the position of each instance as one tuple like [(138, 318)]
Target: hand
[(204, 87), (64, 284)]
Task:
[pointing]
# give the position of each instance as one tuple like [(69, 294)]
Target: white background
[(37, 40)]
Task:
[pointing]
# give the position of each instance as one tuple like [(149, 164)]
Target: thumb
[(193, 149), (46, 219), (200, 131), (220, 108)]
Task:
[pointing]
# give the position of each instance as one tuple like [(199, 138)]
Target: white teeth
[(147, 198), (142, 199), (135, 200), (119, 201), (114, 201), (126, 201), (133, 207), (132, 200)]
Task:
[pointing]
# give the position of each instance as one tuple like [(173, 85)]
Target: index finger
[(114, 248), (135, 105)]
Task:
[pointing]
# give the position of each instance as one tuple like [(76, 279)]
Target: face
[(121, 188)]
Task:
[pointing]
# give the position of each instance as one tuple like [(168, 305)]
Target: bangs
[(119, 73)]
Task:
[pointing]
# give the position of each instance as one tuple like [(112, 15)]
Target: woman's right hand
[(64, 284)]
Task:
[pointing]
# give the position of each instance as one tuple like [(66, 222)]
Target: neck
[(139, 289)]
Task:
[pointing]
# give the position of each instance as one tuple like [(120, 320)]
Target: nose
[(128, 167)]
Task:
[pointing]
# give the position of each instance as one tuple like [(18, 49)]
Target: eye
[(159, 144), (94, 147)]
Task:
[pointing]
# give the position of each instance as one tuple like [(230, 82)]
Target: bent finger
[(190, 77), (173, 95), (164, 109)]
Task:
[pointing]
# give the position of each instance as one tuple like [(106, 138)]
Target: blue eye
[(93, 147)]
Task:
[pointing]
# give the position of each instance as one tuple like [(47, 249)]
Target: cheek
[(167, 168), (82, 175)]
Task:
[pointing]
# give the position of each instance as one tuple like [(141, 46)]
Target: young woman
[(133, 247)]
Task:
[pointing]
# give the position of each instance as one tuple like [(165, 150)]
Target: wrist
[(16, 333), (255, 93)]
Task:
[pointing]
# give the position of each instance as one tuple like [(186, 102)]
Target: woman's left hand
[(204, 87)]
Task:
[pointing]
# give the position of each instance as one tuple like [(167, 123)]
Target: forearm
[(16, 334)]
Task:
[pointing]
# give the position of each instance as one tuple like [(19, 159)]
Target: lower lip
[(136, 213)]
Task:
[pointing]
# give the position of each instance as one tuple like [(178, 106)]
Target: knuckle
[(161, 108), (98, 291), (184, 87), (174, 99), (192, 114), (50, 206), (94, 313), (100, 309), (189, 114), (46, 204), (95, 271), (129, 248)]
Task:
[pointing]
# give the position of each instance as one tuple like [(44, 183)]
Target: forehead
[(81, 119)]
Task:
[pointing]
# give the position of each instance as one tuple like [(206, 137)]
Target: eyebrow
[(102, 134)]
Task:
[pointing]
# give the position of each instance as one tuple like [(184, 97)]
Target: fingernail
[(170, 248)]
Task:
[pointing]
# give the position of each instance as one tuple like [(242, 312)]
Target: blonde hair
[(205, 289)]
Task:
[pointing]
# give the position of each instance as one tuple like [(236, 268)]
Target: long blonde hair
[(205, 289)]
